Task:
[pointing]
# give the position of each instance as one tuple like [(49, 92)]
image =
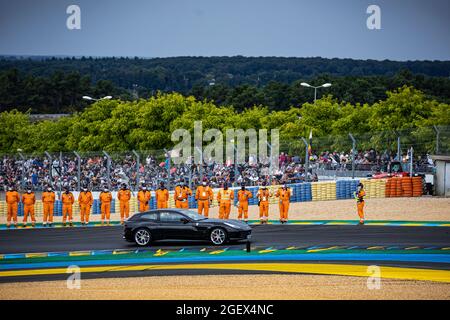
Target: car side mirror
[(184, 220)]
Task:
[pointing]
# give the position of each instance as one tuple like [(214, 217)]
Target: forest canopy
[(56, 85), (147, 124)]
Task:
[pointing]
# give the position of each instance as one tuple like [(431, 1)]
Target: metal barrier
[(354, 158)]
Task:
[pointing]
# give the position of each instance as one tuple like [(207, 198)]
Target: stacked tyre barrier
[(192, 202), (323, 191), (96, 207), (394, 187), (404, 187), (417, 186), (390, 188), (254, 199), (345, 188), (407, 189), (375, 188), (301, 192)]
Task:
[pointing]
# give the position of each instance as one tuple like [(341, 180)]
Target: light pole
[(93, 99), (325, 85)]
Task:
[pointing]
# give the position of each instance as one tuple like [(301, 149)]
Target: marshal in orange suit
[(48, 201), (284, 195), (28, 200), (105, 205), (264, 195), (162, 197), (85, 201), (224, 198), (181, 195), (124, 196), (12, 202), (144, 197), (67, 200), (243, 196), (359, 196), (204, 195)]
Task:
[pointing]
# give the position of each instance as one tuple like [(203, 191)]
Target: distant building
[(442, 175), (47, 116)]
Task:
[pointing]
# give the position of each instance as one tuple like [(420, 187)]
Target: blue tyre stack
[(20, 209), (352, 188), (341, 189), (307, 193), (192, 202), (295, 192), (96, 207), (345, 188), (254, 199), (152, 203), (57, 208), (302, 192)]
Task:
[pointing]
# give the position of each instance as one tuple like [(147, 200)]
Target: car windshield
[(193, 215)]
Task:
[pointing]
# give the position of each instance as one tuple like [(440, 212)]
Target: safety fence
[(301, 192), (347, 155)]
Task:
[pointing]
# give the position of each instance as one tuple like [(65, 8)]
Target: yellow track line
[(217, 252), (79, 253), (328, 269), (323, 249), (35, 255)]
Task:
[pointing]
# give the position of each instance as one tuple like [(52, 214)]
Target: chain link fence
[(347, 155)]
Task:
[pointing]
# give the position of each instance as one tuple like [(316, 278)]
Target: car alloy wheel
[(142, 237), (218, 236)]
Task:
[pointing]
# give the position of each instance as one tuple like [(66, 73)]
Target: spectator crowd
[(94, 169)]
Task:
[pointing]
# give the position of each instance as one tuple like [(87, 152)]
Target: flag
[(310, 143)]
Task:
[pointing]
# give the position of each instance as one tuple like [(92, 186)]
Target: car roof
[(167, 209)]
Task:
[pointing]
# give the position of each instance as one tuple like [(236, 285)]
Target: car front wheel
[(218, 236), (142, 237)]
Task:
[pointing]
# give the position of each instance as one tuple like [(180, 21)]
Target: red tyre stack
[(398, 188), (407, 188), (388, 190), (417, 186)]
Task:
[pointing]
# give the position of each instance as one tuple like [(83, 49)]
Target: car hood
[(236, 223)]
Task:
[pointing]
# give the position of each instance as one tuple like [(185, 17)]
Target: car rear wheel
[(218, 236), (142, 237)]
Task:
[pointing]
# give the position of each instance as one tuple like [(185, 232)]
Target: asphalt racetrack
[(104, 238), (413, 252)]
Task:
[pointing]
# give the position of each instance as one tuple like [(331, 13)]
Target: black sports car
[(142, 228)]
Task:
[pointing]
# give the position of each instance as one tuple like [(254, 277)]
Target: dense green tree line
[(62, 92), (59, 93), (181, 73), (147, 124)]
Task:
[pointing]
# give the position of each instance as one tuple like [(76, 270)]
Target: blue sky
[(410, 29)]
